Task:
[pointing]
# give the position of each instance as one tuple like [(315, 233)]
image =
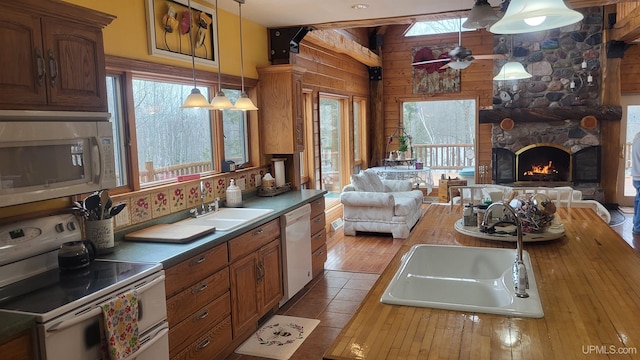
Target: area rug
[(617, 217), (279, 337)]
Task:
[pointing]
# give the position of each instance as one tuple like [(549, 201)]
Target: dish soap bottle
[(234, 194)]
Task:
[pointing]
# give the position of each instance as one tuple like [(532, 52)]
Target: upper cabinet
[(53, 57), (281, 112)]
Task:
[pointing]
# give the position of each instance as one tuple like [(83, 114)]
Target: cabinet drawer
[(317, 223), (198, 295), (189, 329), (317, 207), (318, 239), (317, 260), (188, 272), (253, 240), (209, 345)]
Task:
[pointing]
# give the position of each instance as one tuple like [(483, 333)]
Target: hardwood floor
[(625, 230)]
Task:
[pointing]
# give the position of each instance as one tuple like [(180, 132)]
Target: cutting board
[(170, 233)]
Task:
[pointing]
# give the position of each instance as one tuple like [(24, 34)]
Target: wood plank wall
[(476, 80), (630, 71)]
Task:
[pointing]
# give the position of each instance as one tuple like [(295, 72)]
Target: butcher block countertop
[(589, 283)]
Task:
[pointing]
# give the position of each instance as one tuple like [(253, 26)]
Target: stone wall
[(554, 58), (566, 133)]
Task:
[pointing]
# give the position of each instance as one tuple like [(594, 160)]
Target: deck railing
[(149, 173), (445, 156)]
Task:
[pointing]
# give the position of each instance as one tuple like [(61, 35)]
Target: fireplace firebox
[(546, 163)]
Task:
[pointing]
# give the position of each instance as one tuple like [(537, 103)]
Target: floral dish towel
[(120, 324)]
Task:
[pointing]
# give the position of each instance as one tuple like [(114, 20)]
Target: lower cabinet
[(256, 275), (318, 237), (19, 347)]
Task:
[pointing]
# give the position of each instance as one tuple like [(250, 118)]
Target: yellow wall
[(126, 36)]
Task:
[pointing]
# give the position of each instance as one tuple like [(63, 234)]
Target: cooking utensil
[(115, 210), (104, 198), (91, 204)]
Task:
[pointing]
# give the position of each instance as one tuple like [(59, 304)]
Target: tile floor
[(332, 299)]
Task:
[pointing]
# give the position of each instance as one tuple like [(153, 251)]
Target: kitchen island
[(589, 283)]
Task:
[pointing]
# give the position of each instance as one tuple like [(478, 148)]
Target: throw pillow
[(360, 182), (376, 184)]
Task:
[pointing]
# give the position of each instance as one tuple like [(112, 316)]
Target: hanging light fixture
[(220, 101), (195, 99), (480, 16), (523, 16), (243, 103), (512, 70)]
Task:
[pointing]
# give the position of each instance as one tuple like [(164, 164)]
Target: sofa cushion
[(367, 181)]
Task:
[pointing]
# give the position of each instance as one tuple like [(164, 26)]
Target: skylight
[(434, 27)]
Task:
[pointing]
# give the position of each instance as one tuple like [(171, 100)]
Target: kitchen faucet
[(519, 270), (214, 206)]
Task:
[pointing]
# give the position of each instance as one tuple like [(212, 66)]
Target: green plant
[(404, 143)]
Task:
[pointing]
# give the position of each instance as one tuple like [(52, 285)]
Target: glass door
[(629, 127)]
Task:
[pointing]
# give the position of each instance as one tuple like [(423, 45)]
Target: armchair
[(375, 205)]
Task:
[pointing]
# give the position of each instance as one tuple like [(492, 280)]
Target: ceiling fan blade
[(487, 57), (431, 61), (445, 66)]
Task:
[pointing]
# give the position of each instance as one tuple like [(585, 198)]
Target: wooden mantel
[(604, 112)]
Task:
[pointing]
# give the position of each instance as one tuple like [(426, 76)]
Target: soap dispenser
[(234, 194)]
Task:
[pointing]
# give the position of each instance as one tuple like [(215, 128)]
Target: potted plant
[(403, 146)]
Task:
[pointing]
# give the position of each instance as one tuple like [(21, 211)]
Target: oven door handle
[(153, 282), (156, 337), (78, 319)]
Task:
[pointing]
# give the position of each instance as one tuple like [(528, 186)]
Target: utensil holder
[(101, 233)]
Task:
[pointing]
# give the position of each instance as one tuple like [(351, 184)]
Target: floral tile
[(221, 187), (124, 217), (241, 181), (254, 178), (140, 209), (209, 190), (178, 200), (193, 194), (160, 204)]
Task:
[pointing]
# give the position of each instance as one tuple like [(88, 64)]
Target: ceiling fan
[(459, 58)]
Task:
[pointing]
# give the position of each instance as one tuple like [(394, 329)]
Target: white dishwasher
[(296, 251)]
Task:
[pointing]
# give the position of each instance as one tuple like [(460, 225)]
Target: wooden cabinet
[(256, 275), (19, 347), (443, 189), (318, 237), (281, 109), (199, 305), (56, 57)]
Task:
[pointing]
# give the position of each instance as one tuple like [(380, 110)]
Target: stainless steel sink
[(226, 219), (462, 278)]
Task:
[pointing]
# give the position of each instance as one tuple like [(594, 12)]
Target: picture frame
[(166, 36)]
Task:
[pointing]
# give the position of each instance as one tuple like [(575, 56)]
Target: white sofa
[(563, 196), (375, 205)]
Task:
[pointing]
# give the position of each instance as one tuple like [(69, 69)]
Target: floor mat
[(617, 217), (279, 337), (627, 209)]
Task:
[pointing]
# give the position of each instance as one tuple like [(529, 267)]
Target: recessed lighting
[(359, 6)]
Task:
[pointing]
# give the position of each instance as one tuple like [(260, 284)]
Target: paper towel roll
[(278, 169)]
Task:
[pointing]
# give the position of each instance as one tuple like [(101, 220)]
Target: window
[(433, 27), (114, 97), (236, 144), (442, 133), (359, 138), (171, 141), (331, 143)]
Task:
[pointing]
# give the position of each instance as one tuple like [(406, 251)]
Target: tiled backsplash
[(154, 203)]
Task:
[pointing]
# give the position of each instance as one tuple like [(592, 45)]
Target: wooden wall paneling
[(630, 82)]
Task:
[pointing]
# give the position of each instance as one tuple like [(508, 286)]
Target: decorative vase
[(400, 155), (100, 232)]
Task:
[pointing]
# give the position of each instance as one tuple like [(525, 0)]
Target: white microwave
[(42, 160)]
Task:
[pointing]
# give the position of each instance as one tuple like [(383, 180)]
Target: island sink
[(463, 278), (225, 219)]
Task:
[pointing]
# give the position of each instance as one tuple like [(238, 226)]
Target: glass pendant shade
[(459, 64), (244, 103), (524, 16), (196, 100), (512, 70), (221, 102), (480, 16)]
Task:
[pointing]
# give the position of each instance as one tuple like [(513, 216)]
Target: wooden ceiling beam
[(339, 43)]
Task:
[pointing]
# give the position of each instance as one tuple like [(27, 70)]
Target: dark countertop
[(172, 254)]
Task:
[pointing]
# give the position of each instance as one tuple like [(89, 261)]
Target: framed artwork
[(170, 36), (431, 78)]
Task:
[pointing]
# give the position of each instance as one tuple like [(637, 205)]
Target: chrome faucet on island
[(520, 278)]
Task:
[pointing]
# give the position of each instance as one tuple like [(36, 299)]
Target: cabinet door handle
[(197, 261), (317, 220), (198, 289), (203, 344), (53, 68), (258, 232), (201, 316), (260, 269), (42, 69)]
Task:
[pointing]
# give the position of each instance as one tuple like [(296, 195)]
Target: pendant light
[(220, 101), (195, 99), (243, 103), (524, 16), (512, 70), (480, 16)]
